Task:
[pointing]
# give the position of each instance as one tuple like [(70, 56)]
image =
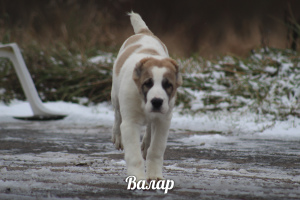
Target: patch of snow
[(101, 114), (206, 140), (104, 58), (270, 69), (2, 90), (283, 130)]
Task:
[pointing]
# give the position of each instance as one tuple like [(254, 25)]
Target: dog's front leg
[(146, 141), (133, 156), (155, 153)]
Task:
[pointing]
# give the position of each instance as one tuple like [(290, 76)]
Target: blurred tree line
[(204, 27)]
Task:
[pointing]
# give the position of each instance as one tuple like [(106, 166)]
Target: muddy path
[(45, 161)]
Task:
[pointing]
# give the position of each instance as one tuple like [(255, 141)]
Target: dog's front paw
[(154, 173), (117, 141)]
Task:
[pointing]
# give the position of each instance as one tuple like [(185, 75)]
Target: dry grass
[(79, 27), (203, 27)]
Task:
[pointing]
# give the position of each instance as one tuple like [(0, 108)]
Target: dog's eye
[(166, 84), (148, 83)]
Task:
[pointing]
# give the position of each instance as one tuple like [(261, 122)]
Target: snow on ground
[(101, 114), (240, 122)]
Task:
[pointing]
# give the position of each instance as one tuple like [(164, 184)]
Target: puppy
[(143, 93)]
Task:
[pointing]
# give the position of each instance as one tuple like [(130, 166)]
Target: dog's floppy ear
[(177, 71), (137, 72)]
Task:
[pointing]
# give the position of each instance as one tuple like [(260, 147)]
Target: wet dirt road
[(54, 161)]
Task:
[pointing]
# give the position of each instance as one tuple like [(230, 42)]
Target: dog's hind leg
[(116, 136), (146, 141)]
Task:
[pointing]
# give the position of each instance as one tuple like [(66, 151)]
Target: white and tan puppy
[(143, 93)]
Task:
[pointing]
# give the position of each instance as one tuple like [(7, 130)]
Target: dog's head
[(157, 82)]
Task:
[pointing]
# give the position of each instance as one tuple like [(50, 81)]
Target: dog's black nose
[(156, 103)]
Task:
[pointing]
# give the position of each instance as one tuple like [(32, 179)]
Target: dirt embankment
[(204, 27)]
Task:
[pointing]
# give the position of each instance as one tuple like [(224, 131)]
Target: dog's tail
[(138, 23)]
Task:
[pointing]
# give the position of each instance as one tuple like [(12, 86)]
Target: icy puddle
[(37, 162)]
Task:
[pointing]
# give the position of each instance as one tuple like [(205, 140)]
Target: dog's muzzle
[(156, 104)]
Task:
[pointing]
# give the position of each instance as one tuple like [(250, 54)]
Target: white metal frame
[(12, 52)]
